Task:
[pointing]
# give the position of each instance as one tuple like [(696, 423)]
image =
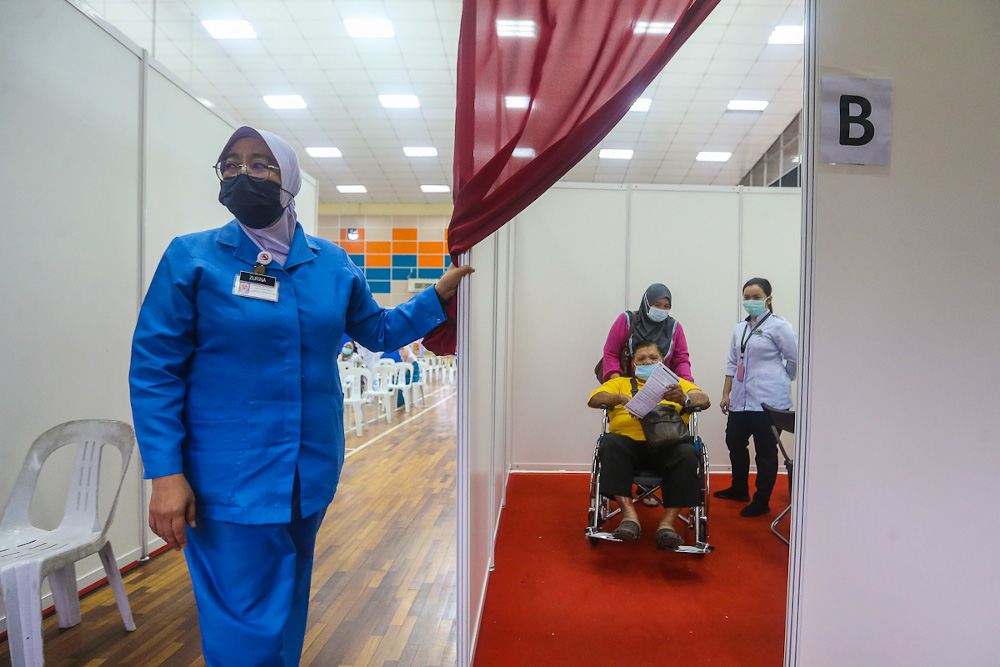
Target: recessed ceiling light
[(515, 28), (525, 151), (324, 151), (285, 101), (713, 156), (420, 151), (615, 153), (516, 101), (434, 188), (369, 28), (787, 34), (230, 29), (796, 159), (399, 101), (641, 104), (352, 189), (746, 105), (652, 28)]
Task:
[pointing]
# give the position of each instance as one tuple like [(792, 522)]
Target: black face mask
[(254, 203)]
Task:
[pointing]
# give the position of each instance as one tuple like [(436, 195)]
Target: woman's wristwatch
[(687, 400)]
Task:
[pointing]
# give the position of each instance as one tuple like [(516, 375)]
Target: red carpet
[(555, 600)]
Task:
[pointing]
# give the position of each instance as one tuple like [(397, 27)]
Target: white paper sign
[(854, 120)]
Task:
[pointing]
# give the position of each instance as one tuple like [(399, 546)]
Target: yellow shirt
[(622, 421)]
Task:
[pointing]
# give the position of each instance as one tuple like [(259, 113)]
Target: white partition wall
[(483, 356), (568, 283), (69, 136), (585, 253), (182, 190), (895, 542)]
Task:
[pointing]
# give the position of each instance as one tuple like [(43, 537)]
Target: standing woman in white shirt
[(762, 360)]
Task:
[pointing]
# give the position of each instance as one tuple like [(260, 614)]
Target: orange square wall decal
[(353, 247), (378, 261), (404, 234), (430, 261), (378, 247), (404, 247), (433, 247)]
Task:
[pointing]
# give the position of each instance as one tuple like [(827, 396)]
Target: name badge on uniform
[(256, 286)]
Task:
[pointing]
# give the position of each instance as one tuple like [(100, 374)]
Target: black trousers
[(739, 428), (622, 456)]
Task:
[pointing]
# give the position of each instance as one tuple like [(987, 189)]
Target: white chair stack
[(29, 554)]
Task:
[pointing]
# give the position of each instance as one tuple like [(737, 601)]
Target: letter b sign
[(855, 120)]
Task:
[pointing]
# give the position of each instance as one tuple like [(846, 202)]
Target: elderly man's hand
[(674, 394), (448, 285)]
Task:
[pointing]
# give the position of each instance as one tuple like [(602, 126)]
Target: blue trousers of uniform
[(251, 584)]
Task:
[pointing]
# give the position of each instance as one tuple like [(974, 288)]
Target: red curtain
[(540, 84)]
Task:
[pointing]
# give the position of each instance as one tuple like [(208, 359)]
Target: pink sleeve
[(617, 339), (679, 361)]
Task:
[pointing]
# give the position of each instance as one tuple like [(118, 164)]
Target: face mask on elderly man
[(643, 372)]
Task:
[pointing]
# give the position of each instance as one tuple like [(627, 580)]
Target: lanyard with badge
[(744, 341), (257, 285)]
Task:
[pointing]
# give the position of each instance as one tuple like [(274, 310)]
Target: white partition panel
[(569, 281), (182, 190), (902, 264), (69, 140), (307, 205), (482, 410), (688, 239)]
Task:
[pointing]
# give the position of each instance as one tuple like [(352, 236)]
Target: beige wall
[(385, 232)]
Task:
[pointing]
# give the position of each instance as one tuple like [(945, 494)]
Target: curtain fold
[(540, 84)]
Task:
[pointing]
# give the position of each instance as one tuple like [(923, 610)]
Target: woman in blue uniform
[(763, 357), (237, 402)]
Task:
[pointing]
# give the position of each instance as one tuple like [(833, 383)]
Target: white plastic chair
[(29, 554), (434, 369), (343, 367), (356, 382), (452, 369), (384, 392), (404, 382), (417, 386)]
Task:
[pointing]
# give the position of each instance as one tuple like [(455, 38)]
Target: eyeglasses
[(258, 171)]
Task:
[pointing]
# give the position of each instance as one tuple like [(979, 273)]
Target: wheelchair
[(648, 484)]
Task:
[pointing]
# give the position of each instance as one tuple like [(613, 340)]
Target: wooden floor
[(383, 591)]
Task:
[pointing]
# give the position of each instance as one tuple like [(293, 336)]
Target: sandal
[(627, 531), (667, 538)]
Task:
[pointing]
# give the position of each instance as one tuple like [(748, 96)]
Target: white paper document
[(652, 392)]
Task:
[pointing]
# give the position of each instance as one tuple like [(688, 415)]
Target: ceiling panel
[(303, 48)]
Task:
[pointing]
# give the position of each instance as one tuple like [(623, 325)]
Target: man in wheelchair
[(624, 450)]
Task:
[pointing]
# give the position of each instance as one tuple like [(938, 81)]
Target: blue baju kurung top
[(237, 393)]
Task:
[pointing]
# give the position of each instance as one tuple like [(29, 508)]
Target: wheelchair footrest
[(698, 548), (594, 533)]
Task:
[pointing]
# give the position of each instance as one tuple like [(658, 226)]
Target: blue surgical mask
[(643, 372), (346, 350), (256, 204), (754, 308), (658, 314)]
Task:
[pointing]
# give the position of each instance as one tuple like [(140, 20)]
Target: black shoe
[(732, 493), (756, 508)]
